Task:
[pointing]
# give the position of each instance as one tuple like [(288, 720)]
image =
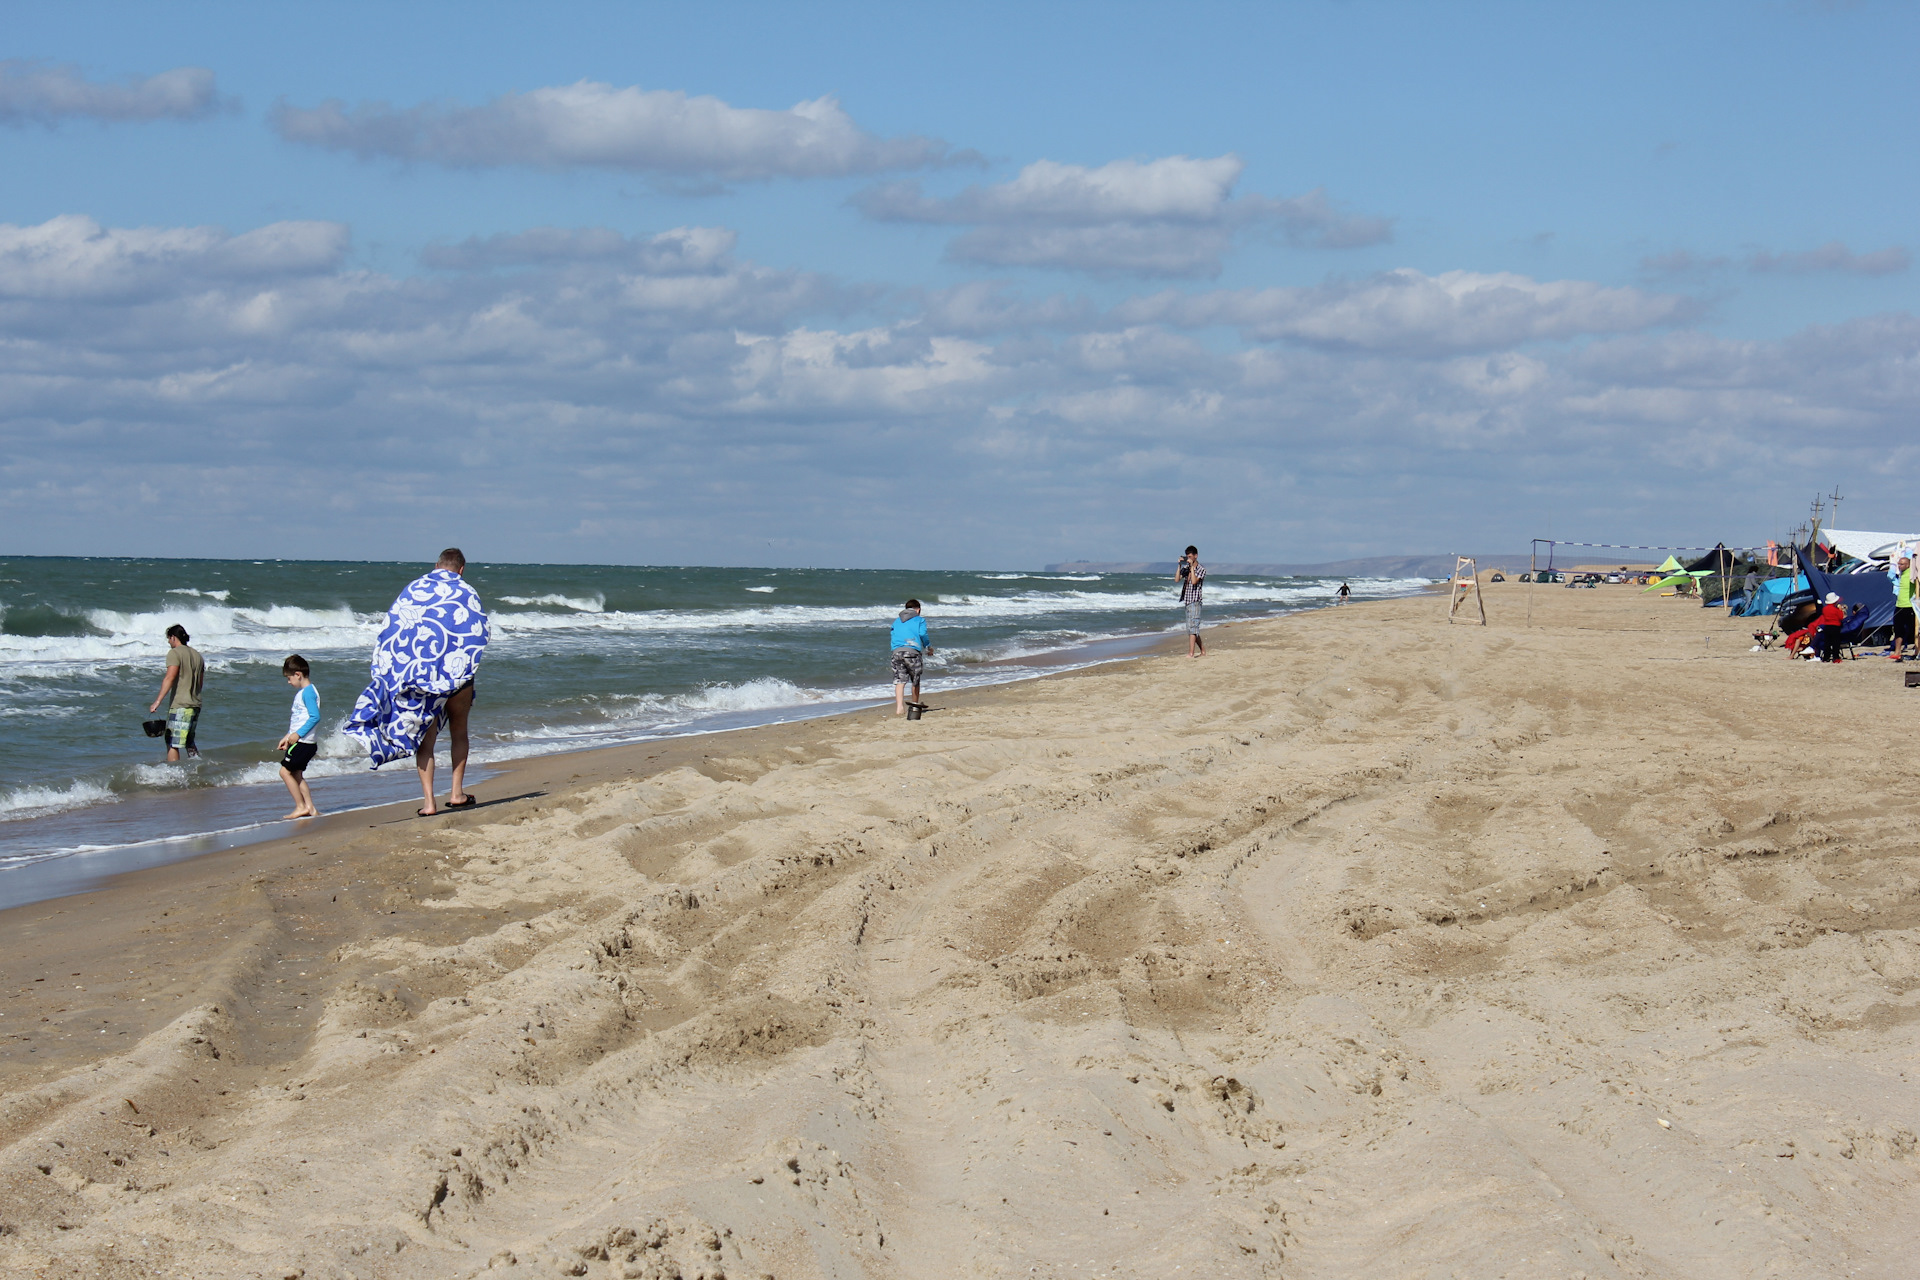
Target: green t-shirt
[(193, 673), (1903, 590)]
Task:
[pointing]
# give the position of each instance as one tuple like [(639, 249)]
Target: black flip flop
[(468, 803), (422, 813)]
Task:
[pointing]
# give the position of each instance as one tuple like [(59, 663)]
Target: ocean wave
[(595, 604), (1027, 645), (1040, 577), (34, 621), (34, 802), (235, 634), (221, 596), (54, 711)]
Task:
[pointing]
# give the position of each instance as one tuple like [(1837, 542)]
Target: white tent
[(1863, 545)]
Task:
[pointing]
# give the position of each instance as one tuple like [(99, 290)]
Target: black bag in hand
[(154, 728)]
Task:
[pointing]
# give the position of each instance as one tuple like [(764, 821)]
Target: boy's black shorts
[(297, 757), (1903, 624)]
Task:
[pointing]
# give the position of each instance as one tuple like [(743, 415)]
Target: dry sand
[(1367, 947)]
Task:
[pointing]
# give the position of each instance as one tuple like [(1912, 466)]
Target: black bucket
[(914, 708)]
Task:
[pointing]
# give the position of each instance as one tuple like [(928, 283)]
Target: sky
[(973, 286)]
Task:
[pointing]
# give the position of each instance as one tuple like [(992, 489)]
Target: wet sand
[(1367, 946)]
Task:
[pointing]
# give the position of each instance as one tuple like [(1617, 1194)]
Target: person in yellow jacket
[(1903, 639)]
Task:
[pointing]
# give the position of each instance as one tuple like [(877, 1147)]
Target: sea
[(582, 656)]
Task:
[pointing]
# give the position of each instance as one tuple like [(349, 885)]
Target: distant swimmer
[(1192, 578), (1343, 593), (911, 647), (424, 664), (186, 673)]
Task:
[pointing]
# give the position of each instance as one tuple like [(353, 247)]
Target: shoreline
[(66, 871)]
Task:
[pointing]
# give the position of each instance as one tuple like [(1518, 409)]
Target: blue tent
[(1872, 589), (1766, 598)]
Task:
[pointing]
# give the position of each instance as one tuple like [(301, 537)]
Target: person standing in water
[(186, 672), (301, 740), (1343, 593), (424, 664), (911, 646), (1191, 577)]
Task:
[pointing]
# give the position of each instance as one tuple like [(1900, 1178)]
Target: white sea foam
[(34, 802), (763, 589), (595, 604), (221, 596), (221, 632), (1039, 577)]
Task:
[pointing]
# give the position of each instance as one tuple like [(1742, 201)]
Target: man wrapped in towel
[(424, 665)]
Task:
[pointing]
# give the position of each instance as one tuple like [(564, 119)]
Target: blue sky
[(1291, 281)]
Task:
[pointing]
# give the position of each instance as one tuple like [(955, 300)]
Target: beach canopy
[(1864, 545), (1718, 560), (1670, 565), (1672, 579), (1872, 590)]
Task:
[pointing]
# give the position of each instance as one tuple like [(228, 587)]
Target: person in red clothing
[(1827, 628)]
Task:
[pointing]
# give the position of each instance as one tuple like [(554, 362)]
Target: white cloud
[(1174, 216), (581, 394), (33, 92), (75, 257), (1174, 188), (1408, 311), (1834, 256), (1152, 249), (592, 125), (682, 249)]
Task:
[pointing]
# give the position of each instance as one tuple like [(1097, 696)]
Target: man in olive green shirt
[(186, 672)]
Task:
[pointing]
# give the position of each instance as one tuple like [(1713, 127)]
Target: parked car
[(1587, 580)]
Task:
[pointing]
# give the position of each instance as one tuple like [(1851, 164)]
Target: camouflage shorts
[(907, 665)]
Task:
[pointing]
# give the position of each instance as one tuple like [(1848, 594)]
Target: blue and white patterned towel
[(430, 647)]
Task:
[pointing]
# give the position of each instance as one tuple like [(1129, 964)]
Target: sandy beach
[(1368, 946)]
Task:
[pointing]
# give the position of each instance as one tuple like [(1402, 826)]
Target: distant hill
[(1365, 567)]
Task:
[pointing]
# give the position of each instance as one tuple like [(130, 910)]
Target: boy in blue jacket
[(302, 737), (911, 644)]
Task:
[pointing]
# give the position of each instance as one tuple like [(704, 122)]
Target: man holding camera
[(1191, 576)]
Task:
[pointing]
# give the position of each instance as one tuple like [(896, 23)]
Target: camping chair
[(1855, 635)]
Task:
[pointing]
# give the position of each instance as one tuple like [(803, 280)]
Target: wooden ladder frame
[(1457, 589)]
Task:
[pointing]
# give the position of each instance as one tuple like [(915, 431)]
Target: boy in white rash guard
[(302, 730)]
